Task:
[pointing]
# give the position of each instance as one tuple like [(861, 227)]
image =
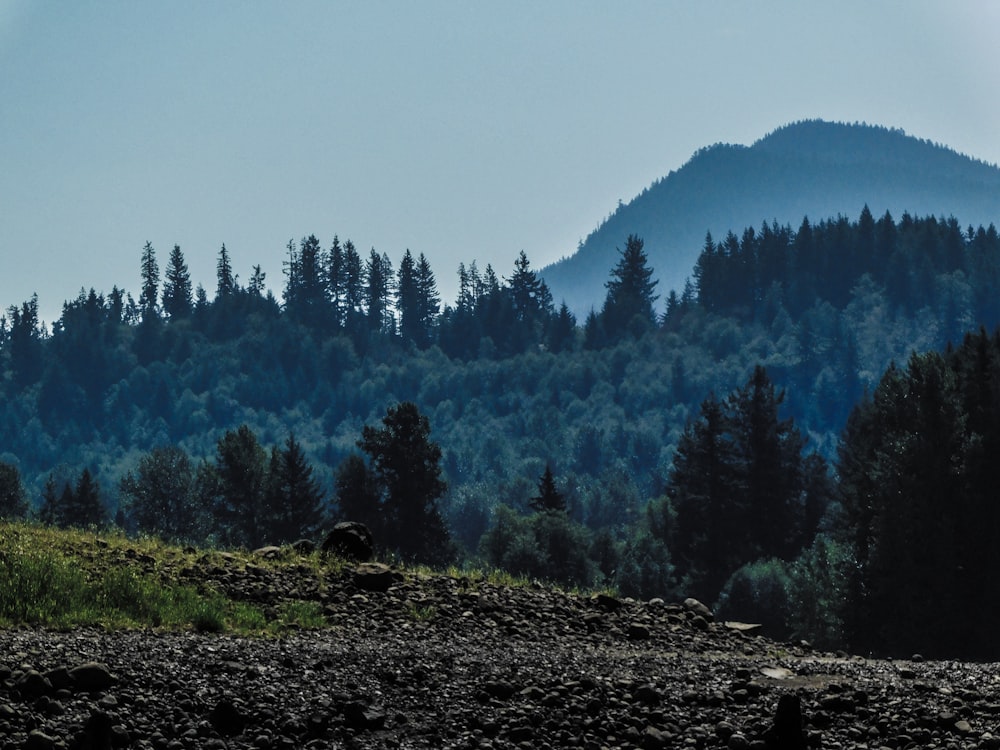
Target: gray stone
[(350, 540), (92, 677), (374, 577)]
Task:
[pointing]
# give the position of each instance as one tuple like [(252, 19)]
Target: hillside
[(438, 660), (815, 169)]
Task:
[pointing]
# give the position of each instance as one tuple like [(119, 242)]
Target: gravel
[(443, 662)]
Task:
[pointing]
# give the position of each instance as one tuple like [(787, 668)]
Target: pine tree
[(378, 274), (406, 466), (703, 486), (83, 507), (352, 295), (428, 302), (628, 306), (178, 301), (13, 503), (295, 500), (240, 482), (24, 342), (357, 494), (769, 452), (335, 283), (150, 272), (548, 499), (408, 301), (225, 280), (562, 330)]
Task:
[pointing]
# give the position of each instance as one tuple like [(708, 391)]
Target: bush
[(759, 592), (818, 592), (545, 546), (644, 570)]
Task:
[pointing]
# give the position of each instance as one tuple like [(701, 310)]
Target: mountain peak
[(811, 168)]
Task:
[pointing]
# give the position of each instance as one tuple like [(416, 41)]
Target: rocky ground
[(444, 662)]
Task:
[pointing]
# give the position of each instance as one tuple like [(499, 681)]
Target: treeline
[(515, 390)]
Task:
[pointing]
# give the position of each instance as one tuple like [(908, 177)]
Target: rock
[(269, 552), (699, 623), (350, 540), (605, 601), (654, 739), (693, 605), (59, 678), (227, 719), (304, 546), (38, 740), (646, 694), (638, 632), (786, 731), (96, 734), (360, 716), (500, 689), (32, 684), (91, 677), (374, 577)]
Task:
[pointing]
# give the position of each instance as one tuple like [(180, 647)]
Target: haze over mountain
[(812, 169)]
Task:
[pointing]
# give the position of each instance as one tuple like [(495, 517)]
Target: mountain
[(813, 168)]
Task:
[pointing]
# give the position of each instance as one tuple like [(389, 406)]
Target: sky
[(461, 130)]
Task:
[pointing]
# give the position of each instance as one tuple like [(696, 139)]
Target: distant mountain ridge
[(812, 169)]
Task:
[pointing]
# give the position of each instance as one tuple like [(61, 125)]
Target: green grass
[(63, 579), (43, 588)]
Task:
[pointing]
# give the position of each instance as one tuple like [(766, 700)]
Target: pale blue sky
[(462, 130)]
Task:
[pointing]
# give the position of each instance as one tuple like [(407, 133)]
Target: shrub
[(759, 592)]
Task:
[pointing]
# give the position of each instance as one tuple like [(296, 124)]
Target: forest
[(809, 404)]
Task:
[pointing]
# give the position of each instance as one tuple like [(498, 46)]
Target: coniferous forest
[(805, 435)]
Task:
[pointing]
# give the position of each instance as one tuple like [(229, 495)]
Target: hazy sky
[(462, 130)]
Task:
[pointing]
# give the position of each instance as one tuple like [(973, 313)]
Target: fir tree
[(628, 306), (406, 466), (178, 300), (548, 499)]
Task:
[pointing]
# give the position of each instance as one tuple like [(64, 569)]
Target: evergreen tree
[(256, 286), (408, 301), (335, 283), (548, 499), (13, 503), (225, 280), (406, 466), (769, 455), (428, 302), (357, 494), (562, 330), (240, 475), (353, 294), (49, 511), (306, 285), (711, 513), (526, 292), (738, 485), (295, 500), (24, 342), (178, 301), (82, 507), (378, 273), (150, 272), (628, 306)]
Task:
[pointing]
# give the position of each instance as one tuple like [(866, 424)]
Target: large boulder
[(374, 577), (350, 540)]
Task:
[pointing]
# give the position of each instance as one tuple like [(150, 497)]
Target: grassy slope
[(69, 578)]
